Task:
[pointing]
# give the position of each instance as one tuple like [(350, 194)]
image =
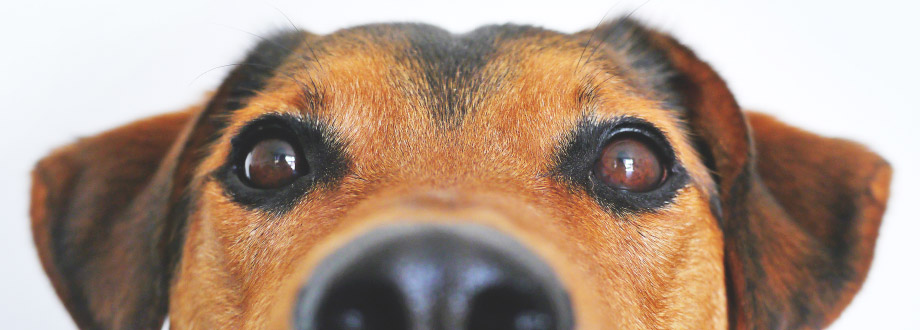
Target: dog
[(397, 176)]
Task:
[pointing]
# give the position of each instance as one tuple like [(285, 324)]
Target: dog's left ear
[(799, 212)]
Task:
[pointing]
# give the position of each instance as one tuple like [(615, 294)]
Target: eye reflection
[(630, 163), (271, 164)]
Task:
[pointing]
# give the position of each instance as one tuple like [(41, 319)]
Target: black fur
[(68, 258), (651, 67), (258, 66), (248, 78), (452, 66)]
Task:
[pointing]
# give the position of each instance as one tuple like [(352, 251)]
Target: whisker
[(601, 41), (593, 32), (304, 59), (312, 88), (275, 43), (295, 28), (212, 69), (285, 17)]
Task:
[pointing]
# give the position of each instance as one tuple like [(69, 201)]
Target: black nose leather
[(426, 276)]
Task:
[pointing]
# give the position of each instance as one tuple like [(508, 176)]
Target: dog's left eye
[(630, 162), (273, 163)]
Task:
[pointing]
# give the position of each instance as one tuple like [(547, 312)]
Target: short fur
[(771, 227)]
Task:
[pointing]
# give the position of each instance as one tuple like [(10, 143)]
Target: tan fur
[(667, 269)]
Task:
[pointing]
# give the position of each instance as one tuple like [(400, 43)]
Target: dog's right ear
[(101, 222), (108, 212)]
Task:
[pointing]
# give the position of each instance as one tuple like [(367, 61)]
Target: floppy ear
[(814, 210), (800, 213), (108, 212), (100, 219)]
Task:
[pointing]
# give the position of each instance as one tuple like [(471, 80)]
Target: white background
[(73, 68)]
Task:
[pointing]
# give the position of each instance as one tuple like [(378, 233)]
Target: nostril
[(433, 277), (364, 305), (510, 307)]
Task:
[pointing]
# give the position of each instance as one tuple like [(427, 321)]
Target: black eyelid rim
[(631, 125), (579, 155), (259, 130), (316, 143), (256, 131)]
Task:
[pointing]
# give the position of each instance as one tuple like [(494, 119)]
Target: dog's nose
[(426, 276)]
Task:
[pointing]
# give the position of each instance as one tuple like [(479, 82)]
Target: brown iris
[(630, 163), (272, 163)]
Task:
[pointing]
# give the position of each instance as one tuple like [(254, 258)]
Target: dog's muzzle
[(427, 276)]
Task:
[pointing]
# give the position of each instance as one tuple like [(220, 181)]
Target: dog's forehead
[(449, 75), (504, 94)]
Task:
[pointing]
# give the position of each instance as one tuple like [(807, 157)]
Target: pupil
[(630, 164), (271, 164)]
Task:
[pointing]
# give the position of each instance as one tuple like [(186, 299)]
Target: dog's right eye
[(277, 159), (273, 163)]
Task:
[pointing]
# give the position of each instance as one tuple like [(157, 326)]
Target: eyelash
[(577, 159), (314, 141)]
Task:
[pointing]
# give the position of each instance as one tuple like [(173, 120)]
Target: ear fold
[(799, 212), (100, 222)]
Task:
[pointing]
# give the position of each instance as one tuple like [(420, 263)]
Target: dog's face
[(398, 176)]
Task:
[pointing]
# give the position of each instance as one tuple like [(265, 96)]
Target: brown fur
[(775, 229)]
